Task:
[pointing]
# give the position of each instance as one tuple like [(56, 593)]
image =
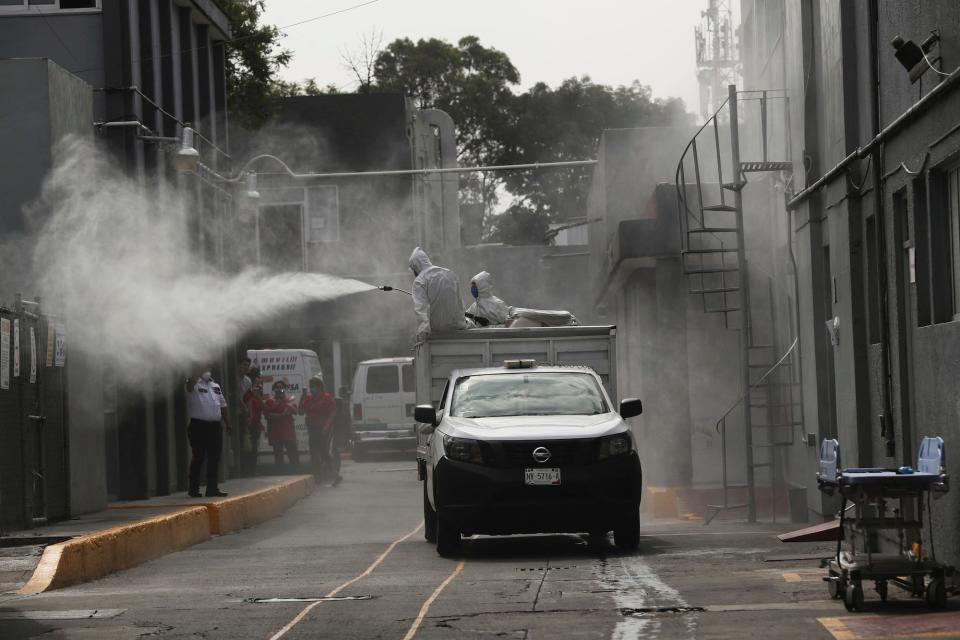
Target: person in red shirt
[(319, 407), (279, 410), (253, 405)]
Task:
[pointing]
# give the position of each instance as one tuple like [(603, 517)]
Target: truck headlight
[(615, 445), (462, 449)]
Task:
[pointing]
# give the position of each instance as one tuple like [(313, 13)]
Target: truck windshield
[(527, 394)]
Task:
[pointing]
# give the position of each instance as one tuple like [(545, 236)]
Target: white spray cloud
[(118, 258)]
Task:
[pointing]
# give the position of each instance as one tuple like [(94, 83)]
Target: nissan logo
[(541, 454)]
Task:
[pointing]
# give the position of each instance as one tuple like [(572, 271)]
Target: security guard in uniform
[(206, 408)]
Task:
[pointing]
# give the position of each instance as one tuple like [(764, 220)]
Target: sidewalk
[(129, 533)]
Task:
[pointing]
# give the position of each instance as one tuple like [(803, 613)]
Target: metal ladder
[(713, 255)]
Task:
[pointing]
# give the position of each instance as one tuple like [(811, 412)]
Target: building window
[(47, 6), (921, 219), (945, 243), (873, 281)]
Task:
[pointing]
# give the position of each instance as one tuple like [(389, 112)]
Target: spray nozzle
[(386, 287)]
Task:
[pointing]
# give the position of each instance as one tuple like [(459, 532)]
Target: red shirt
[(280, 419), (254, 403), (319, 410)]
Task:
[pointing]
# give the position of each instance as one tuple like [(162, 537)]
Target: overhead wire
[(243, 38)]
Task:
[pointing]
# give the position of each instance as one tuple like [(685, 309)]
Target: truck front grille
[(563, 453)]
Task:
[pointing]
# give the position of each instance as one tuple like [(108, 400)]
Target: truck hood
[(534, 427)]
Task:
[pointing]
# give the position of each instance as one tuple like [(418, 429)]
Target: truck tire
[(626, 535), (429, 518), (448, 538)]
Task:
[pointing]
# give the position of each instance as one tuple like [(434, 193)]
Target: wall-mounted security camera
[(912, 55)]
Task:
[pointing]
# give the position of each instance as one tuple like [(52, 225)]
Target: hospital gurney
[(885, 500)]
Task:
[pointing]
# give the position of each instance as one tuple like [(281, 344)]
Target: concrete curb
[(232, 514), (99, 554)]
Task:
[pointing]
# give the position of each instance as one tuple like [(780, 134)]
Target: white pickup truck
[(518, 433)]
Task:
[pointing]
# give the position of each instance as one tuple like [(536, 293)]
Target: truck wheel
[(448, 538), (626, 535), (429, 518)]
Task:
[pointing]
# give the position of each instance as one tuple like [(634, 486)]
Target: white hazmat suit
[(436, 296), (488, 306)]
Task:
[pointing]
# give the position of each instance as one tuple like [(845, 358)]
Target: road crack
[(543, 579)]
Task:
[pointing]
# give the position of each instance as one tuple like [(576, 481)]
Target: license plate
[(541, 476)]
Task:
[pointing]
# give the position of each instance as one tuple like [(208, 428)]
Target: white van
[(383, 397), (295, 367)]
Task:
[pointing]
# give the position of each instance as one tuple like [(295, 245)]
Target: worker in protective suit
[(436, 296), (487, 309)]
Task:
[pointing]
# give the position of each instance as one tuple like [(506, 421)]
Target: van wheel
[(359, 453), (626, 535), (429, 518), (448, 538)]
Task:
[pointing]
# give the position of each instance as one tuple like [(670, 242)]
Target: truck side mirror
[(425, 413), (630, 407)]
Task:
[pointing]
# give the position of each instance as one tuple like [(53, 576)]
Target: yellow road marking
[(837, 628), (300, 616), (433, 596), (792, 577)]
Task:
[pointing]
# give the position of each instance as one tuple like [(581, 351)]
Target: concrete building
[(121, 73), (870, 210)]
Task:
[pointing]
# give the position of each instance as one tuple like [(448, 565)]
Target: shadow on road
[(569, 546)]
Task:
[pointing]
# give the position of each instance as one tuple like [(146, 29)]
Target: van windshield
[(527, 394)]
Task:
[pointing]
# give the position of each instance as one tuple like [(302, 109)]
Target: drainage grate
[(307, 599), (652, 611)]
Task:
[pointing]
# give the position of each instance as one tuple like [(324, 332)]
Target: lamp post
[(188, 158)]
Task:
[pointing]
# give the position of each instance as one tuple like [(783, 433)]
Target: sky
[(613, 42)]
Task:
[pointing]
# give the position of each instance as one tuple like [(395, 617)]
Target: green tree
[(253, 59), (562, 124), (468, 81)]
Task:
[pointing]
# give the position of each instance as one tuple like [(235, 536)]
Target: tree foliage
[(468, 81), (474, 84), (253, 59), (565, 123)]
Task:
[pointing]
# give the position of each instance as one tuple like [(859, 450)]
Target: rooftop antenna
[(718, 57)]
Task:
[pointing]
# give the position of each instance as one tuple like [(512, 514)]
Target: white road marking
[(637, 586), (310, 607), (412, 631)]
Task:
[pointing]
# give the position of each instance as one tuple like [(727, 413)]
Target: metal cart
[(885, 500)]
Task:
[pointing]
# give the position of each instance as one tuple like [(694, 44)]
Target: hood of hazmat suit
[(488, 306), (436, 296)]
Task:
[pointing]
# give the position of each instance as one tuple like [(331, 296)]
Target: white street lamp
[(188, 158)]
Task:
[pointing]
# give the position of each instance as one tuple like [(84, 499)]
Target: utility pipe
[(406, 172), (905, 118)]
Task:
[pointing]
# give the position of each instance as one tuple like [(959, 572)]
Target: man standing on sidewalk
[(206, 408), (319, 408)]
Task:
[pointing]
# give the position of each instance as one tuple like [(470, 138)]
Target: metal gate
[(34, 479)]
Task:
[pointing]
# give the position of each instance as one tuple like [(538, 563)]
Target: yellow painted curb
[(232, 514), (98, 554)]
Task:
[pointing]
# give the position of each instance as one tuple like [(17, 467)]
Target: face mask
[(473, 290), (206, 376)]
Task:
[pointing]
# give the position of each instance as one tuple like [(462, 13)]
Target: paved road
[(686, 581)]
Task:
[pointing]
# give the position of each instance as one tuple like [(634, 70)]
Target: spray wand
[(386, 287)]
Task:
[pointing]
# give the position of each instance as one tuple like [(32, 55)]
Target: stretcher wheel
[(918, 588), (882, 590), (853, 597), (836, 587), (937, 593)]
